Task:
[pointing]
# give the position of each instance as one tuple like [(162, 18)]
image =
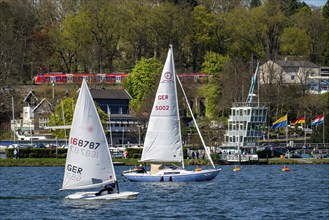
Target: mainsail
[(163, 137), (88, 162)]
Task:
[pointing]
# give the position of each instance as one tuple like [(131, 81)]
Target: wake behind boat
[(163, 141), (88, 162)]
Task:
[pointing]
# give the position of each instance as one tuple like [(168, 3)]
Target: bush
[(135, 152), (38, 153)]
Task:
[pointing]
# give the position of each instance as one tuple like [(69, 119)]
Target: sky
[(315, 2)]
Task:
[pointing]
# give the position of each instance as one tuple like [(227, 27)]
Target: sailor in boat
[(141, 169), (136, 169), (109, 188)]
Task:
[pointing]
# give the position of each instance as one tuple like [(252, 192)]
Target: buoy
[(235, 169), (284, 169)]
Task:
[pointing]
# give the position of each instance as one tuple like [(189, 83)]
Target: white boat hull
[(92, 196)]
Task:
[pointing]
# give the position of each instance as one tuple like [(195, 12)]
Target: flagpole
[(287, 131)]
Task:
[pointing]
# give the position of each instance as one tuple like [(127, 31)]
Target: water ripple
[(256, 192)]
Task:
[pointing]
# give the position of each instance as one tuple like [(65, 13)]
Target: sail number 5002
[(83, 143), (162, 107)]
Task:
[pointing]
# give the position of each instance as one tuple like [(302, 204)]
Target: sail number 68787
[(84, 143)]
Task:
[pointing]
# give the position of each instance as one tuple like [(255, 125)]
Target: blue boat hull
[(187, 176)]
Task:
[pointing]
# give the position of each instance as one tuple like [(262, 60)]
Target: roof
[(290, 63), (29, 96), (43, 100), (109, 94)]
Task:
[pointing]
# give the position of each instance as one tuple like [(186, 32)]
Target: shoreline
[(31, 162)]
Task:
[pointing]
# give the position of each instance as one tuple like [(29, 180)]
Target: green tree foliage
[(106, 36), (142, 80), (17, 22), (295, 42), (292, 6), (106, 23), (71, 39), (274, 19), (213, 64), (325, 11), (212, 67), (64, 115), (314, 26), (247, 32), (255, 3), (203, 34)]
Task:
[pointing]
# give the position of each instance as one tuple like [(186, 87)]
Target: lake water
[(256, 192)]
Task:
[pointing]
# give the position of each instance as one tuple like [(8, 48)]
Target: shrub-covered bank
[(30, 162), (38, 153)]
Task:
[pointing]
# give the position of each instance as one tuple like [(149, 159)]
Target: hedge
[(37, 153)]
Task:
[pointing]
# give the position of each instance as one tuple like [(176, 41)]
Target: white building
[(288, 72)]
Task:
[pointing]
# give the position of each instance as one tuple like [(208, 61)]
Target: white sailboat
[(89, 163), (163, 141)]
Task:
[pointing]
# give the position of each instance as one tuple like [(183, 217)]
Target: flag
[(318, 120), (281, 122), (300, 120)]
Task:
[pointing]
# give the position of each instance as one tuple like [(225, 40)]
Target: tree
[(141, 81), (202, 34), (246, 32), (274, 19), (255, 3), (325, 11), (135, 37), (212, 67), (311, 22), (64, 113), (295, 42), (72, 39), (17, 22), (106, 19)]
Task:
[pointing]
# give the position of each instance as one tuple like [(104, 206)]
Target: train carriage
[(116, 77), (69, 78)]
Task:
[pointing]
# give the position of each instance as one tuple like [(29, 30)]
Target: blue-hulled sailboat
[(163, 141)]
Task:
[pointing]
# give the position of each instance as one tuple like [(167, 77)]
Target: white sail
[(163, 137), (88, 162)]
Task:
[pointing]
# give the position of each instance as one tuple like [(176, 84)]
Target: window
[(43, 122)]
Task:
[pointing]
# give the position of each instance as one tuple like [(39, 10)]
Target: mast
[(63, 117), (196, 125), (13, 110), (304, 126), (109, 115), (177, 109), (323, 129), (254, 82)]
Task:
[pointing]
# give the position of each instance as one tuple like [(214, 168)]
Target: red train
[(65, 78), (69, 78)]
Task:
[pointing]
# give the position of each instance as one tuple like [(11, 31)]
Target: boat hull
[(173, 176), (92, 196)]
